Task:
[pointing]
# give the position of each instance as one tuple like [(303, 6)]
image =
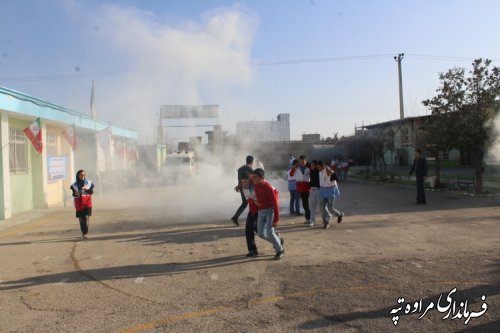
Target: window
[(51, 144), (18, 161)]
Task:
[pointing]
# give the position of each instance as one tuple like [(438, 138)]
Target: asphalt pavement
[(156, 265)]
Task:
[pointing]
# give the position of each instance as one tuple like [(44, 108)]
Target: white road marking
[(139, 279)]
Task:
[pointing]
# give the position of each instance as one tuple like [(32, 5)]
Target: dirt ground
[(147, 271)]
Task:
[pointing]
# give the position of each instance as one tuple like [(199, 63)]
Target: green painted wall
[(21, 186)]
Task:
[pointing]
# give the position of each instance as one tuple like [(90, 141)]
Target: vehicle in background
[(179, 167)]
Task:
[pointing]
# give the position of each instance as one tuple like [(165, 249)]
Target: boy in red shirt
[(268, 211)]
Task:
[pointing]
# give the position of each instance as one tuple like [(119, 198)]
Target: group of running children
[(314, 183)]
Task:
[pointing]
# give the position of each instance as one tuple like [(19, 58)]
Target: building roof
[(395, 121), (22, 104)]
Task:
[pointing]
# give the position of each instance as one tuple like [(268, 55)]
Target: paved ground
[(154, 268)]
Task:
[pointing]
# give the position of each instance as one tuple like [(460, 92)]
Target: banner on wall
[(57, 167)]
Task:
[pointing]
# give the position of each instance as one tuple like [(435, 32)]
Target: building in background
[(311, 137), (264, 131), (29, 179), (401, 137)]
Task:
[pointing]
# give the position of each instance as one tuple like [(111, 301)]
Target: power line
[(442, 57), (316, 60), (55, 77), (94, 75)]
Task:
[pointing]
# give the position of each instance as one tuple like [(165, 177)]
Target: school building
[(31, 180)]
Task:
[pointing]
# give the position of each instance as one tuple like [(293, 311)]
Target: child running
[(82, 190), (268, 212), (329, 190)]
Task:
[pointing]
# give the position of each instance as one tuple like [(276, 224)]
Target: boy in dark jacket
[(243, 170), (251, 225)]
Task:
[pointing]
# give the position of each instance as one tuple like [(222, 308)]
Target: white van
[(178, 167)]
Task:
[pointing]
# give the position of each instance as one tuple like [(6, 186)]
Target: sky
[(329, 64)]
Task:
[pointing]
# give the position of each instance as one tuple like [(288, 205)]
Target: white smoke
[(182, 62), (494, 150)]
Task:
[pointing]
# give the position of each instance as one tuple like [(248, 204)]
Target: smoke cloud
[(171, 61), (494, 150), (175, 61)]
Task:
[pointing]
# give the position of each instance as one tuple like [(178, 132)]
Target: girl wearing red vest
[(82, 190), (303, 176)]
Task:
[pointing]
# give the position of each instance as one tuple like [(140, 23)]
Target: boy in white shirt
[(329, 191)]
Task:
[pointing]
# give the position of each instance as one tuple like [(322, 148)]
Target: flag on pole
[(34, 133), (70, 135), (92, 102), (120, 148), (132, 153), (104, 140)]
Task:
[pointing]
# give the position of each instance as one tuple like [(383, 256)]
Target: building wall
[(29, 187), (265, 131), (22, 185)]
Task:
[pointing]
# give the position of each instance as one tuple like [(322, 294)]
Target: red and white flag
[(132, 153), (34, 133), (119, 148), (104, 140), (70, 135)]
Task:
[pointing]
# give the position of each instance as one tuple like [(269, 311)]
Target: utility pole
[(398, 59)]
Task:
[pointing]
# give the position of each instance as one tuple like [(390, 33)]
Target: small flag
[(119, 148), (34, 133), (104, 140), (132, 153), (70, 135)]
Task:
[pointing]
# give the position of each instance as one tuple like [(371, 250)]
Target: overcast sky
[(327, 63)]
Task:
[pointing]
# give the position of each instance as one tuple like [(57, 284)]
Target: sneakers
[(311, 224), (85, 238), (326, 226), (252, 254), (235, 220), (339, 219), (307, 222), (279, 254)]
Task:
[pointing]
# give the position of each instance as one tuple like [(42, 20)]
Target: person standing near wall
[(82, 192), (420, 168), (345, 169)]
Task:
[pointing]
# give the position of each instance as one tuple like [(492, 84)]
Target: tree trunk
[(478, 156), (437, 184)]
